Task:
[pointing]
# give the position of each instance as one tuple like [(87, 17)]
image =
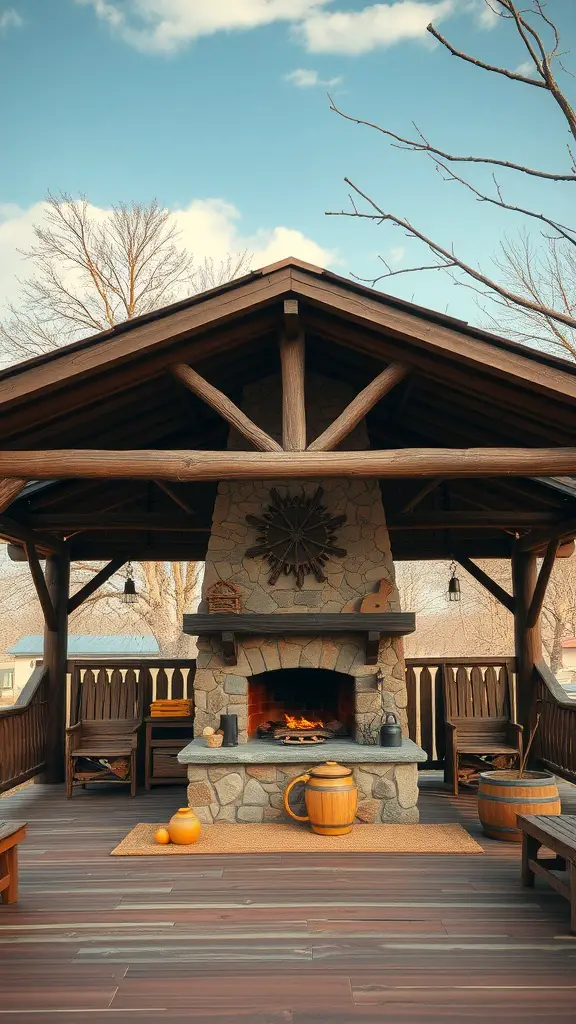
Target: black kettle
[(390, 732)]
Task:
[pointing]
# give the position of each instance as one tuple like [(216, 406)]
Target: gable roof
[(466, 388)]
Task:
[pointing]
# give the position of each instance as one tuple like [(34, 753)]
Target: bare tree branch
[(450, 258), (425, 147)]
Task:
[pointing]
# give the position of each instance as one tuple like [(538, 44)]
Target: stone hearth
[(246, 783), (232, 783)]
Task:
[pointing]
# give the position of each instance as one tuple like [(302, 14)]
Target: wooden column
[(528, 639), (292, 358), (55, 656)]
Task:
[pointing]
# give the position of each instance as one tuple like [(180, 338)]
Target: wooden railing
[(425, 679), (116, 688), (555, 740), (23, 733)]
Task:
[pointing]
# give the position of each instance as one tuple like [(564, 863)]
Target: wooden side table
[(165, 737), (11, 833)]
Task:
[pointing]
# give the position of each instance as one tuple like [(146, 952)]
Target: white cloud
[(355, 32), (208, 228), (396, 255), (526, 68), (304, 78), (164, 26), (9, 18), (167, 25)]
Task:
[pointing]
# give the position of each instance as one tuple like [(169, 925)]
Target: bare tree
[(547, 274), (546, 302), (92, 271)]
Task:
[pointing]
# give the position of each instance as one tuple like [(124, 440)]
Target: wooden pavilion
[(112, 447)]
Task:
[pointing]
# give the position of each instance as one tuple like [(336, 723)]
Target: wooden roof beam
[(542, 584), (358, 408), (486, 519), (21, 535), (226, 408), (41, 587), (9, 491), (175, 496), (180, 465)]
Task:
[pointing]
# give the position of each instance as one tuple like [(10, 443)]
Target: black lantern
[(129, 596), (454, 585)]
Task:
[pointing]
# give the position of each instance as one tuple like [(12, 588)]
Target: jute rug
[(227, 837)]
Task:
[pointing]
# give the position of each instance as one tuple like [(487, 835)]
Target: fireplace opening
[(300, 705)]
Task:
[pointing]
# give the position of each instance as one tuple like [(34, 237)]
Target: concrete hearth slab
[(269, 752)]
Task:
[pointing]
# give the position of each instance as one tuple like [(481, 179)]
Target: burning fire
[(301, 723)]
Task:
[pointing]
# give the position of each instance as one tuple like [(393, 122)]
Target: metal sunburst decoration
[(297, 536)]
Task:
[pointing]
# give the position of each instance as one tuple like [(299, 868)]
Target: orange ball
[(162, 836)]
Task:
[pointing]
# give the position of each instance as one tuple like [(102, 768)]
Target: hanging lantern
[(129, 596), (453, 585)]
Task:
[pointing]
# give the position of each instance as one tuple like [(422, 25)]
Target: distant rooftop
[(569, 643), (122, 644)]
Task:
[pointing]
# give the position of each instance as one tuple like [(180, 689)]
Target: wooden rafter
[(169, 464), (47, 606), (357, 409), (226, 408), (487, 582), (175, 496), (19, 534), (564, 529), (542, 584), (94, 584), (488, 519), (73, 522), (421, 493), (292, 360), (9, 491)]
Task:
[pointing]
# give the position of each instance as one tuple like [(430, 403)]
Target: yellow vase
[(184, 827)]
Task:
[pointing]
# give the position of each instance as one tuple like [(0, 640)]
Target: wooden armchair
[(112, 740), (478, 717)]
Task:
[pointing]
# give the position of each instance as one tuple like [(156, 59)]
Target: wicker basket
[(215, 740)]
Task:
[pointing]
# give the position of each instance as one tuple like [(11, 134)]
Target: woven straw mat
[(227, 837)]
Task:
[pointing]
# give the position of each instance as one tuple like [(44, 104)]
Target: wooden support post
[(93, 585), (542, 583), (487, 582), (225, 407), (292, 359), (41, 588), (55, 656), (358, 408), (528, 640)]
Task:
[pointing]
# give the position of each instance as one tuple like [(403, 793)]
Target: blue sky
[(189, 101)]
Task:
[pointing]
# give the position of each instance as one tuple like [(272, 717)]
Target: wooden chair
[(478, 717), (105, 706)]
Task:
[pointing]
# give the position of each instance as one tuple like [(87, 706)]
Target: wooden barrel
[(502, 796), (331, 799)]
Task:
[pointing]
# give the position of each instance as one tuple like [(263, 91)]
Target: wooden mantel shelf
[(229, 626)]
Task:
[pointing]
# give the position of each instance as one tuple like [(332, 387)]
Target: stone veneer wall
[(253, 793), (224, 689)]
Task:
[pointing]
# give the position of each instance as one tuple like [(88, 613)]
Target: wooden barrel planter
[(331, 797), (503, 795)]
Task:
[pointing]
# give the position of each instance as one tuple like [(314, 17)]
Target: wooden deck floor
[(273, 939)]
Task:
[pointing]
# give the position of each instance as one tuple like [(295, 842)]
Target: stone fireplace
[(326, 674)]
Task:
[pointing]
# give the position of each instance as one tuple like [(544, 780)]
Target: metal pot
[(390, 732)]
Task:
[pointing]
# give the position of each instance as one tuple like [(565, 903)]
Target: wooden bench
[(11, 833), (556, 833), (107, 740)]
